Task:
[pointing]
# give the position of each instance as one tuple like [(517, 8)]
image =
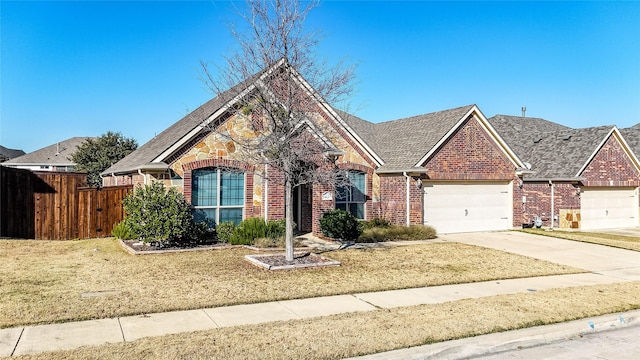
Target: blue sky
[(83, 68)]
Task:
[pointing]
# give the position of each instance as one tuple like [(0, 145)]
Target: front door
[(302, 209)]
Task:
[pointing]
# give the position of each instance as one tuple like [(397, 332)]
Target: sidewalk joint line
[(367, 302), (210, 318), (17, 342), (121, 330)]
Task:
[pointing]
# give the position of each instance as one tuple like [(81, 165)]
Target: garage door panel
[(466, 207), (603, 208)]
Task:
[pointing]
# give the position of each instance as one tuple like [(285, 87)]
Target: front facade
[(454, 170)]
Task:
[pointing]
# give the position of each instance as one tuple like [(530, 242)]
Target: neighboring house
[(583, 178), (56, 157), (454, 169), (632, 136), (8, 154)]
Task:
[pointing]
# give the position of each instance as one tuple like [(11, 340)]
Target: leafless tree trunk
[(278, 105)]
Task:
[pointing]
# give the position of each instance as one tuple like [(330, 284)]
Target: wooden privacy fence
[(56, 206)]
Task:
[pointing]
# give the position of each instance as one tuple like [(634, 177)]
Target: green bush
[(122, 231), (224, 231), (395, 232), (340, 225), (156, 214), (376, 222), (255, 228)]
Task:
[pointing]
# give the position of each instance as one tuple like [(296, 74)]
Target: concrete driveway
[(634, 231), (605, 260)]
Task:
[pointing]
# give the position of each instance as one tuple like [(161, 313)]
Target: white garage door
[(452, 207), (605, 208)]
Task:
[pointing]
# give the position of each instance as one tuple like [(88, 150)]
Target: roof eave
[(409, 171)]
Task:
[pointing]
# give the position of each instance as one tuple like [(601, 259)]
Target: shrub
[(376, 222), (224, 231), (391, 233), (122, 231), (340, 225), (157, 214), (255, 228)]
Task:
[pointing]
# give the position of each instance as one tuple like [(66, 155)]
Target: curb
[(510, 340)]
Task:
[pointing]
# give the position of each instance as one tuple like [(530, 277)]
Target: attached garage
[(454, 207), (605, 208)]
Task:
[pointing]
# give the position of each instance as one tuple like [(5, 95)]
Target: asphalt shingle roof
[(146, 153), (55, 154), (403, 142), (553, 150), (6, 153), (632, 136)]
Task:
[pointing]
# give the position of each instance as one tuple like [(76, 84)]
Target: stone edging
[(220, 247), (325, 262)]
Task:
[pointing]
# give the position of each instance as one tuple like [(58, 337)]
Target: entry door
[(606, 208), (454, 207)]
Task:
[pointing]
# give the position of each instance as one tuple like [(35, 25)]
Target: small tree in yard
[(279, 103), (95, 155)]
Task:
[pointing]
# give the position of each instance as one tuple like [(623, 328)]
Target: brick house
[(453, 169), (582, 178)]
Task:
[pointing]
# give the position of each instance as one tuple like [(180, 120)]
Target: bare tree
[(283, 86)]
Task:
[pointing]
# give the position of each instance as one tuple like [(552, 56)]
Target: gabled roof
[(403, 142), (6, 153), (177, 135), (56, 154), (171, 136), (557, 153)]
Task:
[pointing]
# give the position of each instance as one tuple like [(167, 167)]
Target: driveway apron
[(618, 263)]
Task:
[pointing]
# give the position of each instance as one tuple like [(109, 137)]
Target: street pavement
[(606, 265), (617, 344)]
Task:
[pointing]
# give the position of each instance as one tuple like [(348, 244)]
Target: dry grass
[(43, 282), (371, 332), (619, 241)]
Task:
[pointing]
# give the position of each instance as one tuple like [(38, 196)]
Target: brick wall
[(566, 197), (393, 200), (320, 206), (611, 167), (470, 154)]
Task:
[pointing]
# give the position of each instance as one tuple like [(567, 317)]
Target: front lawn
[(46, 281), (613, 240)]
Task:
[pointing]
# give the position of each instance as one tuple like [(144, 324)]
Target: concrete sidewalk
[(608, 265)]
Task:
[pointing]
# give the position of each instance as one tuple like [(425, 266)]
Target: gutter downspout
[(552, 205), (144, 177), (407, 196), (266, 192), (115, 179)]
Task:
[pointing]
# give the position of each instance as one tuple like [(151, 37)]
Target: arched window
[(352, 197), (217, 195)]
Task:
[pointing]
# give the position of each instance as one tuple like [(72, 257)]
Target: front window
[(352, 197), (217, 195)]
